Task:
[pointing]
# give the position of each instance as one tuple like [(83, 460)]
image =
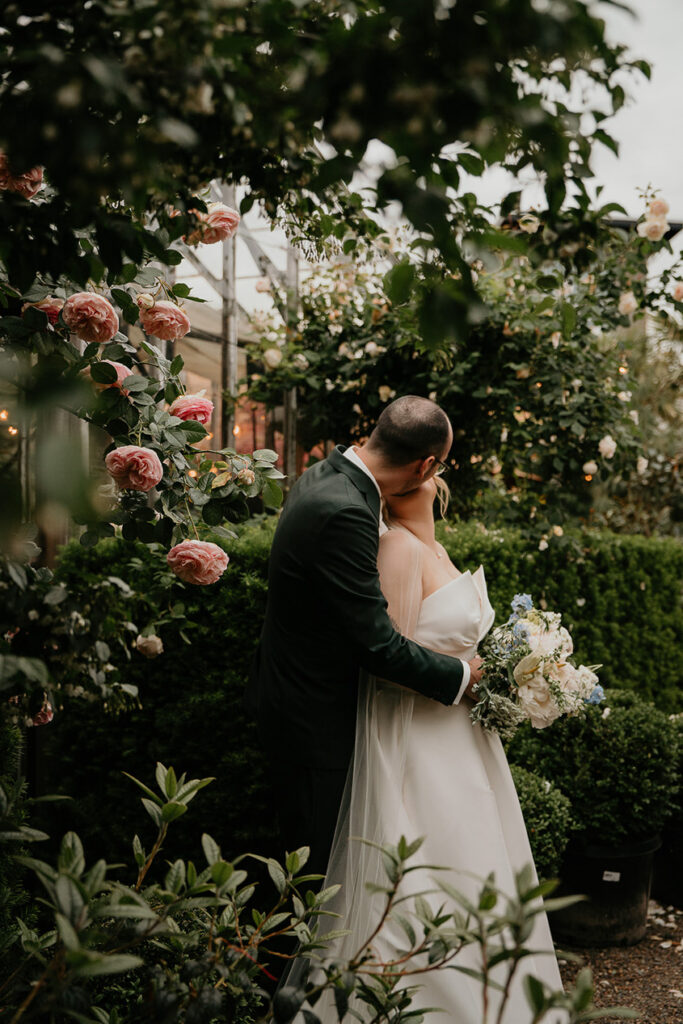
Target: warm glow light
[(588, 477), (623, 369), (192, 473), (538, 384), (3, 414), (13, 431), (237, 430), (209, 436)]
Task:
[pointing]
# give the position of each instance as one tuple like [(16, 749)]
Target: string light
[(192, 473), (13, 430), (623, 369), (588, 477), (237, 430), (3, 414)]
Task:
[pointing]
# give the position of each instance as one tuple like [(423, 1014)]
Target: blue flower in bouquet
[(520, 632), (597, 696), (520, 603)]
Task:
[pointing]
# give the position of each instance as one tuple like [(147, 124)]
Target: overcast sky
[(649, 127)]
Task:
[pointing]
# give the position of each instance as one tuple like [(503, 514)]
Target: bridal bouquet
[(528, 674)]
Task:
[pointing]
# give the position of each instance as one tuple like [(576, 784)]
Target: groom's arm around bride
[(327, 618)]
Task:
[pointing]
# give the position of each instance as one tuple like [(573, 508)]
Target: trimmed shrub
[(619, 597), (192, 712), (548, 819), (192, 694), (617, 765)]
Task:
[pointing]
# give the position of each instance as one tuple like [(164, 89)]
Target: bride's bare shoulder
[(398, 541)]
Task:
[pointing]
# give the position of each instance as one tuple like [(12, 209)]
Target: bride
[(422, 769)]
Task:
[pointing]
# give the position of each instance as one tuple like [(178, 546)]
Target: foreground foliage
[(188, 945)]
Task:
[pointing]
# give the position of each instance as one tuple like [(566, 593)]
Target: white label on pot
[(611, 876)]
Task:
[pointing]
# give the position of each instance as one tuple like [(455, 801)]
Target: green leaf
[(172, 810), (68, 897), (271, 494), (398, 282), (534, 993), (177, 362), (138, 852), (18, 574), (67, 932), (171, 783), (277, 874), (153, 810), (212, 850), (71, 857), (175, 877), (472, 163), (115, 964), (221, 872), (568, 319)]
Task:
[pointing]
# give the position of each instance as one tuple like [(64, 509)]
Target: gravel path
[(647, 977)]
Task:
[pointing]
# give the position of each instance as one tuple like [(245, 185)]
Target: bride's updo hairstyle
[(409, 429)]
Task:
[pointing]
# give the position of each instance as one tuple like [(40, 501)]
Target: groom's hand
[(475, 675)]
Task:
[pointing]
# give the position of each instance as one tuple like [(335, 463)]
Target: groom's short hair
[(408, 429)]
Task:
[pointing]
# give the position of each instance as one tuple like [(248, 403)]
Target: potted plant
[(618, 767)]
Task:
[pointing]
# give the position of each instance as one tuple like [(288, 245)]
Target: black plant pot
[(667, 881), (616, 880)]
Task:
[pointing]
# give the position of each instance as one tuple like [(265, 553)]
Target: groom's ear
[(423, 466)]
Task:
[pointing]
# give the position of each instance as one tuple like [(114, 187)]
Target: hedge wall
[(618, 595)]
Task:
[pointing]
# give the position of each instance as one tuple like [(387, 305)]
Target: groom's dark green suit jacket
[(327, 618)]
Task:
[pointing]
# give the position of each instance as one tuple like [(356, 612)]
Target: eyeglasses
[(442, 467)]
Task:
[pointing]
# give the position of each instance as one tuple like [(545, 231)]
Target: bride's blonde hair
[(443, 493)]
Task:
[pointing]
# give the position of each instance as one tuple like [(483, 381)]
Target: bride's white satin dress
[(455, 789)]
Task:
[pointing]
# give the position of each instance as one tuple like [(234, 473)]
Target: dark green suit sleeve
[(346, 569)]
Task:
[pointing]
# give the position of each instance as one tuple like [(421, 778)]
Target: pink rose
[(192, 407), (49, 305), (121, 373), (165, 321), (134, 468), (197, 561), (45, 715), (219, 223), (658, 208), (678, 291), (27, 184), (90, 317)]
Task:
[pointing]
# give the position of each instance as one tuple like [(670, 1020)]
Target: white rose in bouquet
[(537, 704)]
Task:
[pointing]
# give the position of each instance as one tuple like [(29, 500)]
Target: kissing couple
[(362, 686)]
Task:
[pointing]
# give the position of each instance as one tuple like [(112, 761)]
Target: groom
[(326, 619)]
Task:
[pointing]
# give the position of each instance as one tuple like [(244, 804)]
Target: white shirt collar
[(352, 455)]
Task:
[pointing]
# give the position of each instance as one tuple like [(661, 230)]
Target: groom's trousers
[(308, 804)]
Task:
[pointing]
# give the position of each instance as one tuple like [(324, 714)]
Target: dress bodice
[(457, 616)]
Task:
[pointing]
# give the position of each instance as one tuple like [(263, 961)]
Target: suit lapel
[(361, 480)]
